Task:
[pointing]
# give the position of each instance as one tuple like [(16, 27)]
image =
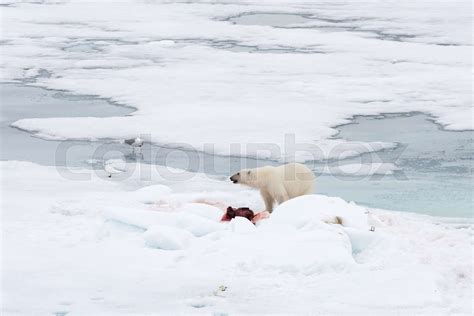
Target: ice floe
[(106, 246)]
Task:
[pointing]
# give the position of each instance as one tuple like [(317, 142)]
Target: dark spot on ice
[(198, 305)]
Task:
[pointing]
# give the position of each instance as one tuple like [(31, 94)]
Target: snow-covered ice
[(175, 62), (107, 247), (167, 237), (148, 240)]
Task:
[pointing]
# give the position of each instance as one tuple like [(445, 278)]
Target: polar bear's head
[(244, 176), (255, 178)]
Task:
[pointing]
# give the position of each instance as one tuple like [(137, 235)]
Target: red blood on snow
[(241, 211)]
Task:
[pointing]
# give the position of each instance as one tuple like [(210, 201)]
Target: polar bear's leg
[(282, 197), (279, 193), (268, 200), (309, 190)]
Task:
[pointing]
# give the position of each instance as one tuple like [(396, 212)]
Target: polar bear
[(277, 183)]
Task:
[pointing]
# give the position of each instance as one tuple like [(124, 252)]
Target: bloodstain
[(241, 211)]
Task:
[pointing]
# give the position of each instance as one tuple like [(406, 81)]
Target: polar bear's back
[(297, 179)]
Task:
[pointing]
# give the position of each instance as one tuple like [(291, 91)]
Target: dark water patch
[(41, 73), (437, 165), (269, 19), (20, 102), (428, 145)]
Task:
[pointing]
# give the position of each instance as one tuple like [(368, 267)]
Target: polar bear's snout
[(235, 178)]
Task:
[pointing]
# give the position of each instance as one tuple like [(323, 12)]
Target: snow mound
[(290, 251), (139, 218), (196, 225), (151, 193), (166, 43), (299, 238), (242, 225), (167, 238), (204, 210), (315, 212), (360, 239), (308, 209)]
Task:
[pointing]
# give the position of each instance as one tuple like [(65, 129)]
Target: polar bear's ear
[(248, 172)]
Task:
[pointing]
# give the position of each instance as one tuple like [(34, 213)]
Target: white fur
[(278, 184)]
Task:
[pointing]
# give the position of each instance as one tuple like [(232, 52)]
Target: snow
[(305, 209), (241, 225), (186, 62), (196, 225), (150, 193), (207, 211), (167, 238), (107, 247)]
